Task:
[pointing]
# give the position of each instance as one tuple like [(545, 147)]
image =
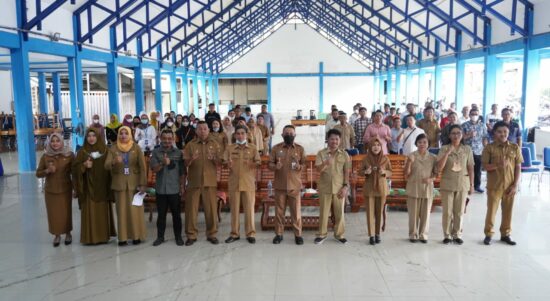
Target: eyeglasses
[(456, 133)]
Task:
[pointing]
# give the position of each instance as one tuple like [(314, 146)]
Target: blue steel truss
[(210, 33)]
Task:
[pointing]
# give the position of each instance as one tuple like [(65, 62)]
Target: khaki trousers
[(494, 199), (375, 210), (293, 200), (326, 200), (247, 198), (419, 217), (193, 196), (453, 210)]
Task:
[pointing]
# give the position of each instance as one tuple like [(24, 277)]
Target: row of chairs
[(533, 166)]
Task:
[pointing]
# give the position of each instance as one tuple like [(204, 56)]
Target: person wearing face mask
[(128, 121), (242, 159), (111, 129), (228, 129), (136, 123), (179, 120), (287, 160), (96, 124), (185, 133), (216, 132), (169, 125), (146, 134), (475, 136)]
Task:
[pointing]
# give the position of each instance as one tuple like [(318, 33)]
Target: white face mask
[(185, 123), (194, 125), (144, 121), (241, 142), (216, 129), (474, 118), (170, 123), (96, 121), (129, 120)]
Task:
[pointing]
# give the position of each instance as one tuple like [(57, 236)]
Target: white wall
[(345, 92), (6, 95)]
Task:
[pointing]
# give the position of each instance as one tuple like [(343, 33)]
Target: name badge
[(126, 170)]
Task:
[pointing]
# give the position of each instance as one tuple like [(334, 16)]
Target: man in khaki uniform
[(201, 156), (347, 140), (242, 159), (287, 160), (502, 160), (333, 165), (430, 127)]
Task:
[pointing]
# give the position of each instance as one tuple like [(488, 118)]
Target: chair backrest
[(546, 155), (526, 153), (532, 149)]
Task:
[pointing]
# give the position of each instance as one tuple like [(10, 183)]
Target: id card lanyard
[(125, 159)]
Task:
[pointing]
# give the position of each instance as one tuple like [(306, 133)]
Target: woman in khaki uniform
[(265, 132), (377, 168), (455, 162), (55, 167), (127, 165), (218, 135), (420, 172), (92, 185)]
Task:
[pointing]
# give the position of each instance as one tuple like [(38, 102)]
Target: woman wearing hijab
[(96, 124), (126, 162), (377, 168), (55, 167), (185, 133), (112, 129), (169, 125), (92, 185), (128, 121), (153, 117), (228, 129)]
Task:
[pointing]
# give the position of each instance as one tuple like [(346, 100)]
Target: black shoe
[(479, 190), (447, 241), (122, 243), (458, 241), (372, 241), (319, 240), (136, 241), (377, 239), (299, 240), (179, 241), (508, 240), (190, 242), (487, 240), (213, 240), (251, 240), (277, 239), (413, 240), (231, 239), (56, 242), (68, 241), (424, 241), (157, 242), (342, 240)]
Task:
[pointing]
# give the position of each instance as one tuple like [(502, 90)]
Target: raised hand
[(166, 160), (368, 171), (279, 164), (118, 158), (51, 167)]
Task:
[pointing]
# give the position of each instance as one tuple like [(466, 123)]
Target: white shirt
[(330, 124), (463, 119), (146, 138), (408, 145)]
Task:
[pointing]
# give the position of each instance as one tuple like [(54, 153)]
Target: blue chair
[(546, 165), (533, 149), (434, 151), (352, 152), (527, 167)]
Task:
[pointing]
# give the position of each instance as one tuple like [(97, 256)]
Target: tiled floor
[(31, 269)]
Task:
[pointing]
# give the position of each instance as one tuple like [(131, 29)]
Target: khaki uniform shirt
[(423, 167), (60, 180), (368, 187), (242, 177), (456, 180), (287, 178), (432, 130), (202, 171), (332, 178), (134, 161), (347, 140), (494, 153)]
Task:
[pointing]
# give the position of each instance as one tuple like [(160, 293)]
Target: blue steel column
[(42, 93), (158, 90), (56, 92), (138, 89), (530, 86), (112, 79), (269, 102), (460, 70), (77, 99), (321, 87), (23, 108)]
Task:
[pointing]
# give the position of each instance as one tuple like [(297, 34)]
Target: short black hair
[(248, 109), (211, 104), (499, 124), (334, 110), (420, 137), (289, 126), (167, 131), (505, 109), (429, 108), (362, 109), (201, 122), (334, 132), (241, 127)]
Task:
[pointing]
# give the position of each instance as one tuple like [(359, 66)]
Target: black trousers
[(165, 201), (477, 171)]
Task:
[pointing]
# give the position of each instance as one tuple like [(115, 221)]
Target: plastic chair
[(533, 149), (527, 167), (546, 165)]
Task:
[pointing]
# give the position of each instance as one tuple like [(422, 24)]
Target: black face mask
[(288, 139)]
